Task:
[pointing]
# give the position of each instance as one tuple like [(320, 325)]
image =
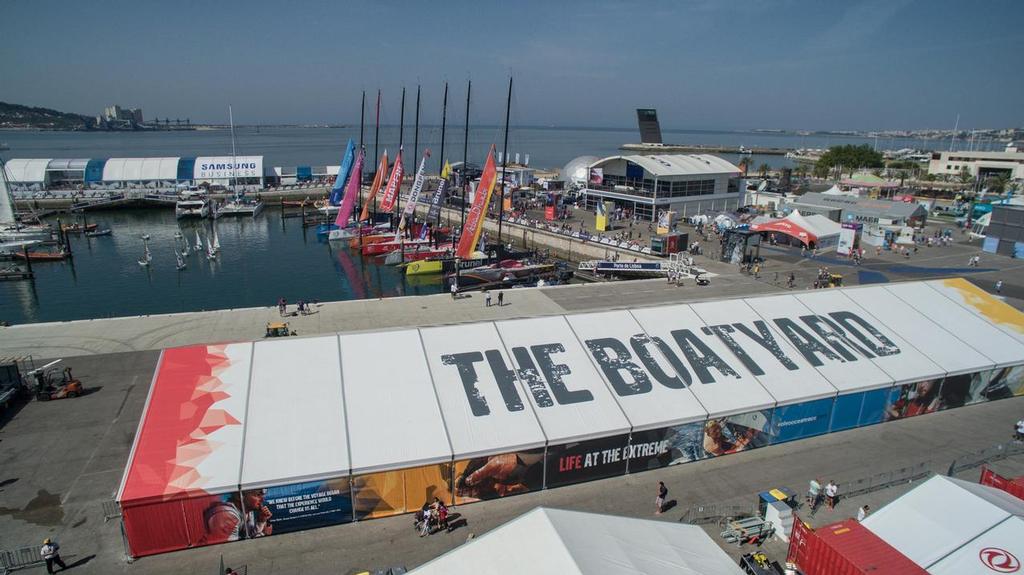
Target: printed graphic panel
[(393, 492), (971, 388), (913, 399), (800, 420), (673, 445), (586, 460), (737, 433), (873, 409), (296, 507), (497, 476)]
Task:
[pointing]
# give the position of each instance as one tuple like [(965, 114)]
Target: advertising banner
[(597, 176), (674, 445), (438, 197), (224, 167), (586, 460), (549, 213), (393, 188), (296, 507), (481, 202), (847, 239), (737, 433), (971, 388), (497, 476), (801, 420), (859, 409), (913, 399), (400, 491)]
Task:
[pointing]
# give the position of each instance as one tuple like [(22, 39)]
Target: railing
[(111, 510), (887, 479), (22, 558), (994, 453), (714, 512)]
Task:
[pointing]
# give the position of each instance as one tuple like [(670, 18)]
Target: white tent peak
[(559, 541)]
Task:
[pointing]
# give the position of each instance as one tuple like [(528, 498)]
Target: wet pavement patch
[(44, 509)]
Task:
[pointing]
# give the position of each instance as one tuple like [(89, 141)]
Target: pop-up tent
[(813, 230), (951, 527), (558, 542)]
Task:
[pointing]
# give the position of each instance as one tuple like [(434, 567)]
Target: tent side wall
[(496, 476), (858, 409), (398, 491), (183, 522), (801, 420)]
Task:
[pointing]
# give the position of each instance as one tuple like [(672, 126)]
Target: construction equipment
[(48, 385)]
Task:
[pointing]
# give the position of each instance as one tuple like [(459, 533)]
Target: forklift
[(48, 385)]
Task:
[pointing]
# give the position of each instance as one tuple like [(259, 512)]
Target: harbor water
[(260, 261)]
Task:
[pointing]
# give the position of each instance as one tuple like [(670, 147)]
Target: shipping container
[(845, 548), (1014, 487)]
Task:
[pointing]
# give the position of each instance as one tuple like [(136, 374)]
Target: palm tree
[(763, 169)]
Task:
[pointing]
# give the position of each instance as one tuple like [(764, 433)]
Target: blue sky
[(704, 64)]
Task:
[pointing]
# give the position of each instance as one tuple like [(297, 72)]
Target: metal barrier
[(111, 510), (712, 513), (20, 559), (994, 453), (887, 479)]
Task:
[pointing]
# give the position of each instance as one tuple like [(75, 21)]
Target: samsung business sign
[(226, 167)]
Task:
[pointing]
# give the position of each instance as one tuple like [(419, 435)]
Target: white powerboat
[(192, 205)]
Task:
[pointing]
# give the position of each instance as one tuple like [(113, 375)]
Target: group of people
[(824, 278), (487, 298), (302, 307), (815, 493), (432, 516)]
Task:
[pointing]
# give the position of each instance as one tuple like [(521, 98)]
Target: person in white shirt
[(1020, 430), (862, 513), (831, 492), (50, 552)]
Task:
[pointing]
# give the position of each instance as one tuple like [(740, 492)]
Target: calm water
[(260, 261), (548, 147)]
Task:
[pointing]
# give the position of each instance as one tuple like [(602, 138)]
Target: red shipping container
[(846, 548), (1014, 487)]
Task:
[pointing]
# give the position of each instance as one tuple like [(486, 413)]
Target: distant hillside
[(16, 116)]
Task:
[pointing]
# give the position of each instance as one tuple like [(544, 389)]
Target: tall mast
[(376, 154), (234, 159), (415, 148), (362, 127), (401, 140), (504, 163), (440, 157), (465, 161)]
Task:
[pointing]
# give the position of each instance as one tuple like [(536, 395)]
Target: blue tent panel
[(94, 170), (304, 173), (801, 420), (186, 168)]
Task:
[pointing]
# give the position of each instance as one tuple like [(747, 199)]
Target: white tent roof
[(393, 417), (559, 542), (920, 331), (968, 327), (501, 430), (982, 304), (990, 547), (909, 365), (140, 169), (660, 406), (599, 417), (785, 384), (665, 165), (835, 191), (26, 171), (937, 523), (846, 377), (731, 393), (817, 224), (296, 429)]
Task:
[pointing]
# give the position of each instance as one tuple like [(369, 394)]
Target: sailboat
[(238, 205), (211, 253), (181, 261), (199, 243), (11, 230), (216, 241), (146, 257), (186, 249)]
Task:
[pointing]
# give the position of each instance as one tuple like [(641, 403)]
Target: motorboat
[(98, 233), (20, 233), (192, 205)]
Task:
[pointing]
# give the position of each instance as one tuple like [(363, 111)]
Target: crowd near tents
[(247, 440)]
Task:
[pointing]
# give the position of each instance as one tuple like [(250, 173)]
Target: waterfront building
[(38, 174), (981, 165), (842, 208), (688, 184)]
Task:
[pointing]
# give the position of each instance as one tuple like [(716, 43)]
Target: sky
[(704, 64)]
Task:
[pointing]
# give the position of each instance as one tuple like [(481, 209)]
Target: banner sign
[(475, 218), (438, 198), (414, 194), (387, 203), (343, 172), (378, 180), (597, 176), (226, 167), (297, 507), (627, 266)]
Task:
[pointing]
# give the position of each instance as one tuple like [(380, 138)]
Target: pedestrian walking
[(1018, 435), (831, 494), (999, 286), (454, 290), (51, 554), (487, 298), (862, 513), (501, 298), (813, 494), (659, 501)]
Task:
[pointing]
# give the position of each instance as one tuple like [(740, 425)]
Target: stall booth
[(249, 440), (812, 231)]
